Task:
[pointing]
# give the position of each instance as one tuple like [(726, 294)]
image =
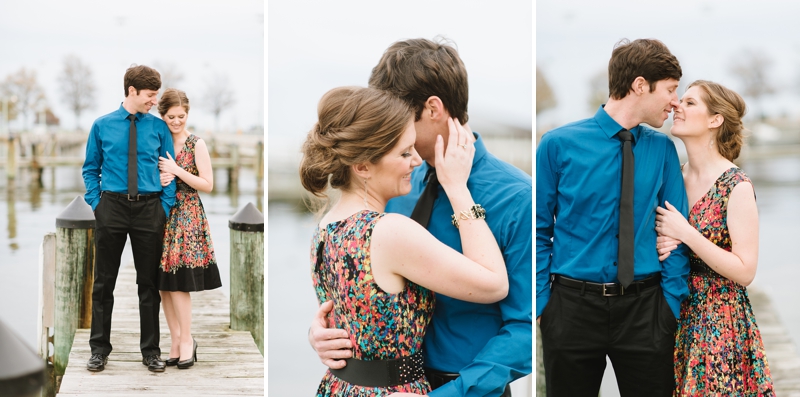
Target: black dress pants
[(116, 219), (636, 332)]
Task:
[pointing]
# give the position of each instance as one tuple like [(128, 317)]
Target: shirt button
[(615, 263), (617, 236)]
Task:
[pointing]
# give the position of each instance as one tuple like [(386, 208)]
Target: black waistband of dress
[(381, 373)]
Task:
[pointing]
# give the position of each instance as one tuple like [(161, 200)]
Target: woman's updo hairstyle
[(170, 98), (731, 106), (355, 125)]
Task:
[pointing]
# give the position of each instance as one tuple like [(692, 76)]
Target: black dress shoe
[(171, 362), (189, 362), (97, 363), (154, 363)]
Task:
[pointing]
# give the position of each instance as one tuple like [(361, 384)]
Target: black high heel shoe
[(189, 362), (171, 362)]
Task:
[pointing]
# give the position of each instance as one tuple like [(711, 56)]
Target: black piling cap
[(77, 215), (21, 369), (248, 219)]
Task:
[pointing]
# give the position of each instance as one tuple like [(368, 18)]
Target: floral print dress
[(718, 347), (381, 325), (187, 259)]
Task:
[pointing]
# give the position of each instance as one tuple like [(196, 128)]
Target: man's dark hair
[(142, 78), (648, 58), (418, 69)]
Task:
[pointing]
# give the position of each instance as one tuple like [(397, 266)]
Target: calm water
[(27, 214)]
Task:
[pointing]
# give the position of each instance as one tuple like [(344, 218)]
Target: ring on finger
[(463, 146)]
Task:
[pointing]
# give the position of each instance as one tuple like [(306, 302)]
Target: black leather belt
[(381, 373), (438, 379), (138, 197), (184, 187), (607, 289)]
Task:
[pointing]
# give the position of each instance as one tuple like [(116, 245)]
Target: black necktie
[(626, 234), (422, 211), (133, 183)]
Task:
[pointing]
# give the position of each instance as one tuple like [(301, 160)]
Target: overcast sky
[(316, 46), (199, 38), (574, 40)]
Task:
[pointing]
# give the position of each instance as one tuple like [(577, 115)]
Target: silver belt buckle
[(135, 198), (609, 294)]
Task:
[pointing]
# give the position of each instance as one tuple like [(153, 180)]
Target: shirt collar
[(123, 113), (610, 127)]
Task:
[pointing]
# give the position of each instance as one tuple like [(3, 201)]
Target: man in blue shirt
[(470, 349), (584, 313), (124, 190)]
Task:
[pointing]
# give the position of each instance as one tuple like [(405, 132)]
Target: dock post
[(247, 272), (74, 277), (233, 172), (11, 162), (45, 319)]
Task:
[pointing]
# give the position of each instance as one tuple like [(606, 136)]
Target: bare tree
[(598, 89), (77, 87), (218, 96), (24, 86), (752, 68), (545, 99), (170, 75)]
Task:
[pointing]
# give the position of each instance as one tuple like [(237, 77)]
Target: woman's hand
[(665, 245), (166, 178), (671, 223), (454, 164), (168, 165)]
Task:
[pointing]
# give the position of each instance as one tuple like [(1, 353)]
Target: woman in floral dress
[(187, 259), (718, 347), (379, 269)]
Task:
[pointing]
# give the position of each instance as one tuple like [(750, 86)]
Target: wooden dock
[(782, 354), (229, 363)]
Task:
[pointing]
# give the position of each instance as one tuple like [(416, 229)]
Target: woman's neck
[(704, 157)]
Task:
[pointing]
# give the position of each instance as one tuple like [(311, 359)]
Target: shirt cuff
[(446, 390)]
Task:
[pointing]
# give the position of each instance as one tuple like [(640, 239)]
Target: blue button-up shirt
[(578, 183), (489, 345), (106, 165)]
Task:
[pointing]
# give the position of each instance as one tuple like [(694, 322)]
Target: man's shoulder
[(106, 117), (501, 176), (655, 136), (153, 119), (568, 130)]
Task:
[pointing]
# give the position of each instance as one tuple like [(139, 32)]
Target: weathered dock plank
[(781, 351), (229, 363)]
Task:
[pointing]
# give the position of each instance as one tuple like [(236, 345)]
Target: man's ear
[(434, 109), (640, 86), (362, 170), (131, 90)]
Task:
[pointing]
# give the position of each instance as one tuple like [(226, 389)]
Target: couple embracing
[(620, 272), (422, 266), (137, 186)]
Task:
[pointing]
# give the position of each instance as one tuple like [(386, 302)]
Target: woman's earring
[(365, 194)]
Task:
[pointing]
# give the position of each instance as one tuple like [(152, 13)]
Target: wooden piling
[(233, 171), (74, 275), (247, 273), (12, 157), (46, 317)]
